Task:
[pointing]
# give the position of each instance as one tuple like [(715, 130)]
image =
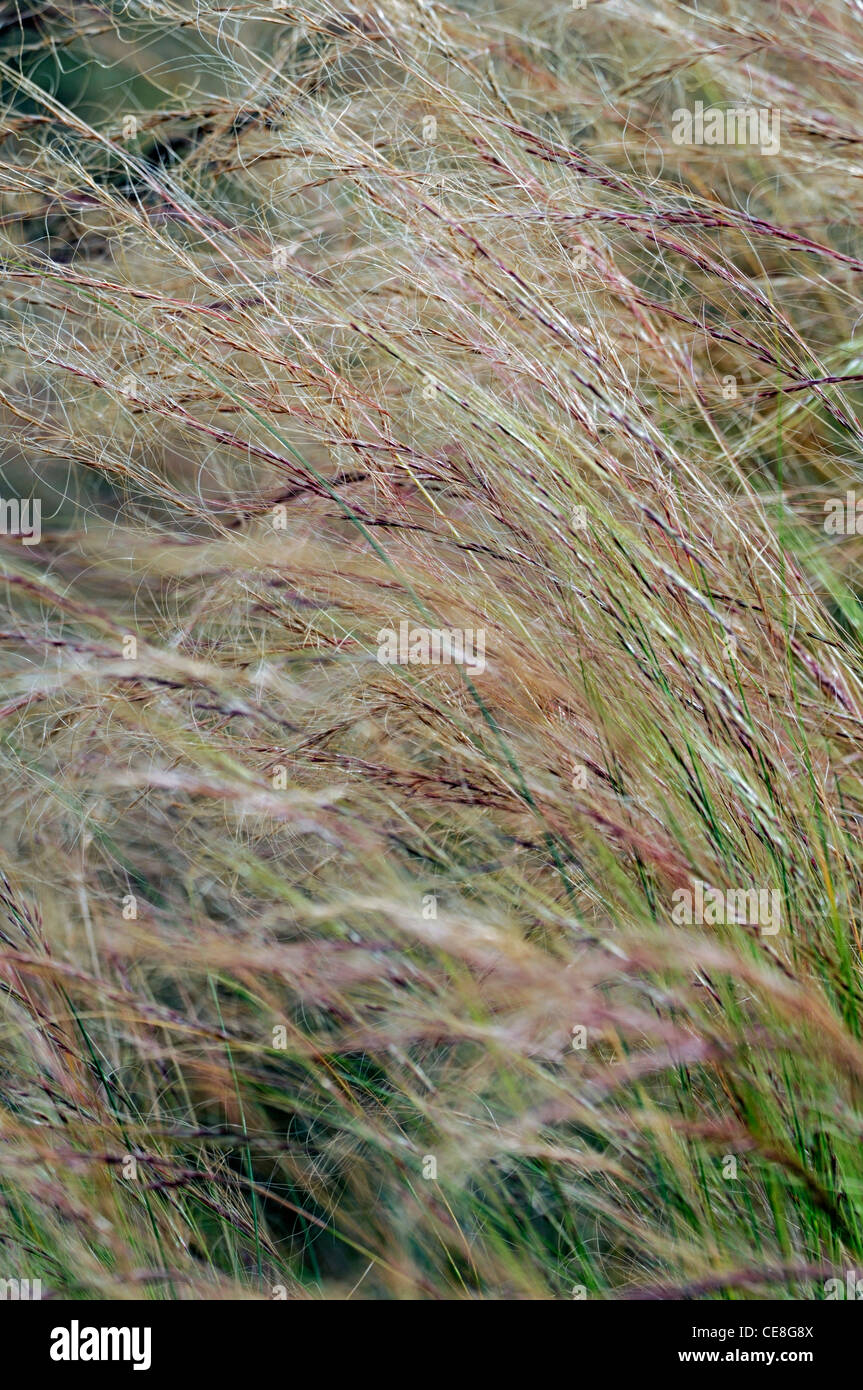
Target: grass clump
[(351, 979)]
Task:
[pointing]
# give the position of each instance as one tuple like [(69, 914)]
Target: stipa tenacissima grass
[(356, 978)]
